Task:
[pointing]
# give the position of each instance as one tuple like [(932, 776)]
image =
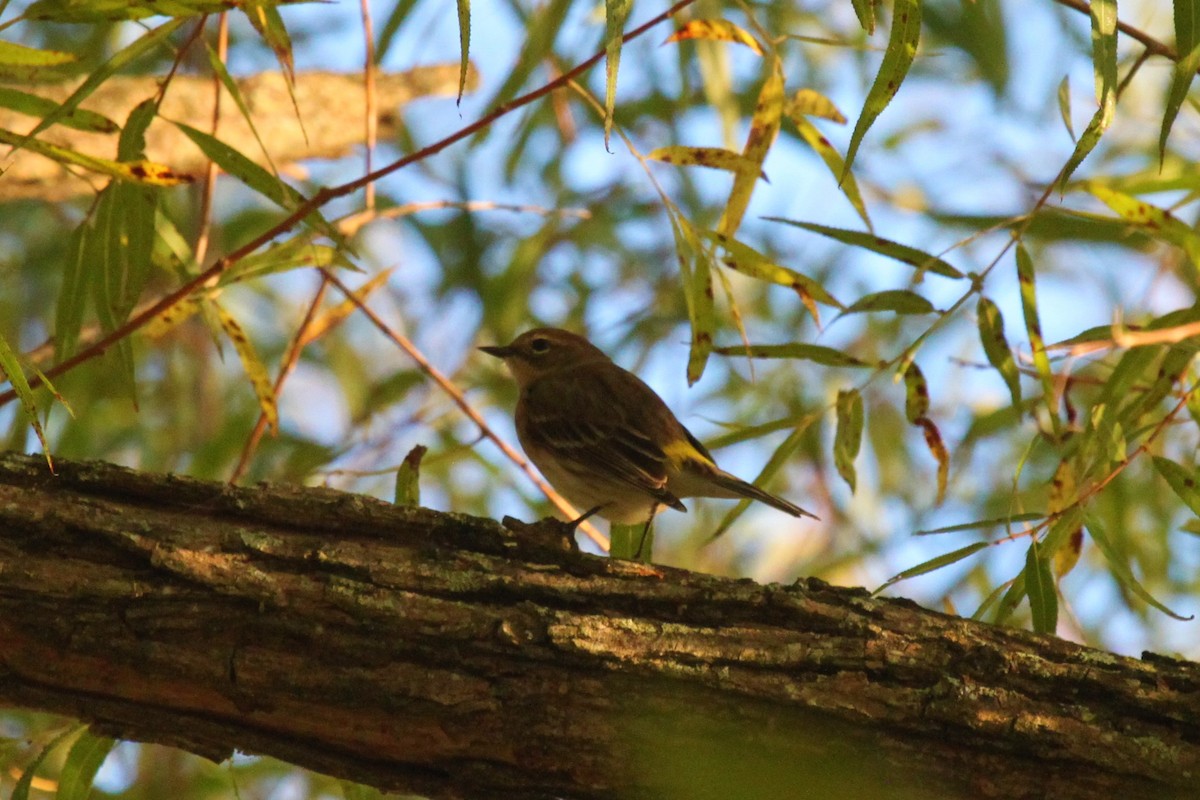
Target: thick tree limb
[(448, 655), (319, 124)]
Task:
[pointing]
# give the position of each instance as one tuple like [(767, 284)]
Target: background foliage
[(972, 305)]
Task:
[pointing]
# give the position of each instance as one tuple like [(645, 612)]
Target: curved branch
[(451, 656)]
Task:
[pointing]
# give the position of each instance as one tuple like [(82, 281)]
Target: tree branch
[(448, 655)]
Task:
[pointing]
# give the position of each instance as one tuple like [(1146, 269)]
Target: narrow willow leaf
[(916, 394), (235, 91), (811, 103), (264, 16), (139, 47), (408, 489), (922, 261), (944, 560), (983, 523), (84, 759), (18, 55), (742, 258), (1064, 105), (255, 370), (764, 128), (848, 439), (119, 10), (1039, 588), (834, 162), (1187, 43), (37, 106), (236, 164), (995, 346), (464, 50), (25, 782), (615, 12), (898, 301), (816, 353), (10, 370), (1157, 222), (901, 50), (710, 157), (72, 298), (1062, 496), (865, 11), (719, 30), (1011, 599), (1120, 569), (1181, 480), (933, 440), (1104, 64), (284, 256), (147, 172), (332, 317), (696, 270), (1033, 327)]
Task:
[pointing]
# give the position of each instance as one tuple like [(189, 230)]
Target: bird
[(604, 439)]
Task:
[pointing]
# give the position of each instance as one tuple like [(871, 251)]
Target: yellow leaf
[(717, 30), (764, 127), (256, 371), (711, 157), (810, 102), (331, 318)]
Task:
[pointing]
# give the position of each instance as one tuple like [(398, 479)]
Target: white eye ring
[(539, 345)]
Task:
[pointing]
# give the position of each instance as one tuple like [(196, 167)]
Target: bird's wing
[(600, 436)]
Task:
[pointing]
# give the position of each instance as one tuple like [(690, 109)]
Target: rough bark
[(322, 117), (455, 657)]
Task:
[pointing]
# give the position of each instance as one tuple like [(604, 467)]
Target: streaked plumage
[(603, 438)]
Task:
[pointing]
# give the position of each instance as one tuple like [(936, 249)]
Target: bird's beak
[(498, 352)]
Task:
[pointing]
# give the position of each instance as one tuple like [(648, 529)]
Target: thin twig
[(371, 121), (321, 198), (461, 401), (209, 185)]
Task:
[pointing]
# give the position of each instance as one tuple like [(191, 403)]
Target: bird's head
[(542, 350)]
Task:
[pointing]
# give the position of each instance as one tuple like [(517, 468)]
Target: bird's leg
[(637, 556), (575, 523)]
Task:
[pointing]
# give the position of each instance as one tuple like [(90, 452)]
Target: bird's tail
[(740, 488)]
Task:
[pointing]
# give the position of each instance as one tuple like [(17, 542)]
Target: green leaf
[(983, 523), (848, 439), (264, 16), (901, 50), (139, 47), (1157, 222), (233, 162), (1033, 327), (21, 789), (36, 106), (995, 346), (877, 244), (1187, 43), (10, 370), (464, 46), (615, 14), (865, 10), (933, 564), (748, 261), (83, 762), (1120, 569), (408, 487), (218, 67), (145, 172), (805, 352), (899, 301), (1040, 589), (18, 55), (709, 157), (1104, 61), (1181, 480), (1064, 105), (916, 394)]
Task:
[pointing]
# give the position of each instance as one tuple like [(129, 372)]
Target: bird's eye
[(540, 345)]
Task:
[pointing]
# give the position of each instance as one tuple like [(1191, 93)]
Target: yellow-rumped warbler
[(604, 439)]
